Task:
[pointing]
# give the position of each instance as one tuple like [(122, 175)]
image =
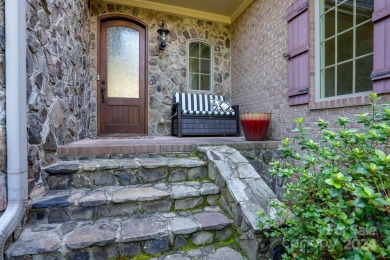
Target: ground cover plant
[(340, 199)]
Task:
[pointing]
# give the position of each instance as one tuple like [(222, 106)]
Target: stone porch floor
[(156, 144)]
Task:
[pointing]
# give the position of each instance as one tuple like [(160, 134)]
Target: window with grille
[(346, 46), (199, 66)]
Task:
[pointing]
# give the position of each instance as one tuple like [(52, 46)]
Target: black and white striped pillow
[(221, 106)]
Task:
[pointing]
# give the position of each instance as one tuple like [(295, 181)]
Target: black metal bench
[(193, 115)]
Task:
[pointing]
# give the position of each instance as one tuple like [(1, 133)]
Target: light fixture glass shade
[(163, 32)]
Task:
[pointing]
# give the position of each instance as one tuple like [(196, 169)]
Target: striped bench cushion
[(198, 104), (210, 113)]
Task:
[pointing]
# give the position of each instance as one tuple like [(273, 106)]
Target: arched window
[(200, 66)]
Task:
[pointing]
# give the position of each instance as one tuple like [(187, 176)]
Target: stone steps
[(121, 172), (205, 253), (115, 201), (125, 237), (121, 208)]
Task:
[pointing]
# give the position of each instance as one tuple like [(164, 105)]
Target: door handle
[(103, 91)]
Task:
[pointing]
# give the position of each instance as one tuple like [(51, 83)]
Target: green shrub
[(340, 196)]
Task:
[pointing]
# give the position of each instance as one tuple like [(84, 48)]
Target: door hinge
[(98, 77)]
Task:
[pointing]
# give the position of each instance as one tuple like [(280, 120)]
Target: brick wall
[(259, 71)]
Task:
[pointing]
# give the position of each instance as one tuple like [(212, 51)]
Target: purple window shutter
[(298, 53), (381, 74)]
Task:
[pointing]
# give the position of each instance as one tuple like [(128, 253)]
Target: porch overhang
[(225, 11)]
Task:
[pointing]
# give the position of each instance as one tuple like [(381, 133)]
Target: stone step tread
[(122, 194), (204, 253), (45, 238), (70, 167)]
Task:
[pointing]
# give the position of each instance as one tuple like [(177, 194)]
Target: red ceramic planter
[(255, 125)]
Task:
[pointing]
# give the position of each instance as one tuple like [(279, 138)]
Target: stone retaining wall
[(243, 193), (260, 159), (58, 91), (168, 69)]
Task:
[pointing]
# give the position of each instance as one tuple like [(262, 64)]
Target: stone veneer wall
[(260, 159), (259, 71), (58, 91), (168, 69)]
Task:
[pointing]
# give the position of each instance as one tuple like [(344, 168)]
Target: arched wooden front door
[(122, 69)]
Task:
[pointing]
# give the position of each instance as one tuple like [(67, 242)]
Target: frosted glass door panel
[(123, 62)]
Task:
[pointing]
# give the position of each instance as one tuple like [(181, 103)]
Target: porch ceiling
[(225, 11)]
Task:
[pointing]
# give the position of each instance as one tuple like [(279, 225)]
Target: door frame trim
[(108, 17)]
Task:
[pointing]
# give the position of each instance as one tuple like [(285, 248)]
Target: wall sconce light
[(163, 36)]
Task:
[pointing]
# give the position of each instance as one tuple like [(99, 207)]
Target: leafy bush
[(340, 199)]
